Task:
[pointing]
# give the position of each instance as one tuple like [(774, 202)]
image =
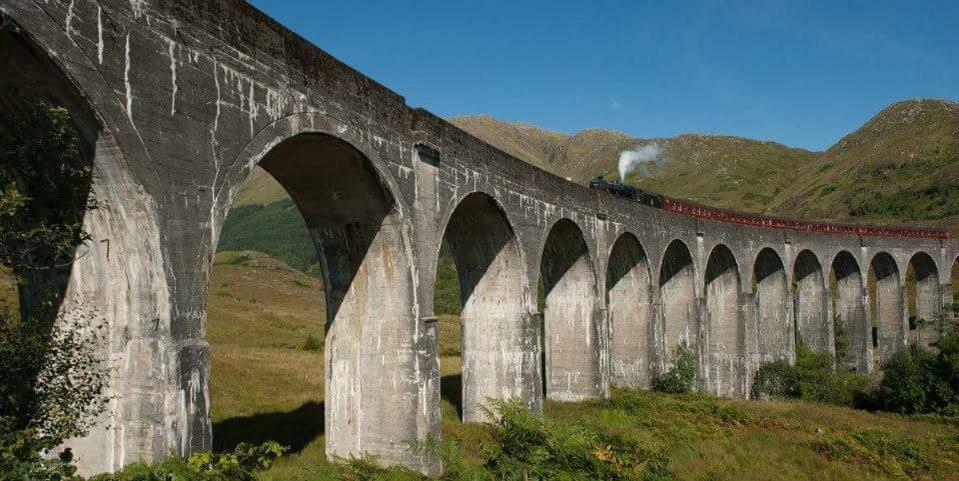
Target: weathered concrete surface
[(179, 100), (631, 315)]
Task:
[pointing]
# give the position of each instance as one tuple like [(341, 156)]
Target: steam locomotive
[(627, 191)]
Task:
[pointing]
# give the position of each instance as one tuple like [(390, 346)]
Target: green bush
[(51, 375), (812, 378), (530, 446), (312, 344), (917, 381), (680, 378), (237, 465), (21, 460)]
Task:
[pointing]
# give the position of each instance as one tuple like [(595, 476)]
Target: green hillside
[(900, 167), (725, 171), (275, 228)]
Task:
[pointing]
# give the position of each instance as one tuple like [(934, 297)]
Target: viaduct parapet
[(179, 100)]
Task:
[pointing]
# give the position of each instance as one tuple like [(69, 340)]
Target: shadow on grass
[(451, 390), (295, 429)]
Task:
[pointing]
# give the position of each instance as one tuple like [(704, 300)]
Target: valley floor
[(268, 384)]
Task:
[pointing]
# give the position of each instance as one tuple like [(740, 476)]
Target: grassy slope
[(727, 171), (901, 166), (266, 386), (259, 315)]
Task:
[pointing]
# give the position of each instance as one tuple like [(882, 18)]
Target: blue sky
[(803, 73)]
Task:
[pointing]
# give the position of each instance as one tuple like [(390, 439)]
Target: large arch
[(117, 276), (774, 330), (813, 326), (923, 275), (889, 314), (572, 335), (371, 319), (851, 326), (677, 293), (725, 333), (499, 361), (630, 307)]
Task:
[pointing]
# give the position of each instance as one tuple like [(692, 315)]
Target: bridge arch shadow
[(851, 328), (774, 330), (570, 329), (629, 300), (886, 301), (725, 334), (294, 429), (677, 294), (813, 325), (496, 359), (924, 298)]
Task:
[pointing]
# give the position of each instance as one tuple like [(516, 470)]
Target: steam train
[(700, 211), (627, 191)]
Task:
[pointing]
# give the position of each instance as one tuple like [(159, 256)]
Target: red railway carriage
[(704, 212)]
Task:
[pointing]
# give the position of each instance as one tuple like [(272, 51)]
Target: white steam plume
[(630, 159)]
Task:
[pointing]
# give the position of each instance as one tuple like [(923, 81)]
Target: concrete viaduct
[(177, 101)]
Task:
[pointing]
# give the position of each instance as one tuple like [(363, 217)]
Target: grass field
[(267, 385)]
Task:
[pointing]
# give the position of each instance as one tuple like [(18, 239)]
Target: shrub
[(531, 446), (841, 340), (680, 378), (917, 381), (312, 344), (21, 460), (237, 465), (813, 378), (51, 375)]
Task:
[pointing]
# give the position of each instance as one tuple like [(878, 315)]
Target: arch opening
[(499, 352), (677, 292), (889, 313), (726, 335), (851, 332), (813, 326), (924, 298), (774, 331), (572, 351), (630, 307), (369, 319), (266, 312)]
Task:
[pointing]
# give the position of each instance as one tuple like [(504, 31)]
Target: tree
[(51, 377)]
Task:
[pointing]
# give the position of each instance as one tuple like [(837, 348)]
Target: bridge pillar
[(752, 318)]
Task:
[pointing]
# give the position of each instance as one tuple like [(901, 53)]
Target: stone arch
[(356, 220), (677, 293), (851, 326), (628, 285), (498, 342), (119, 272), (725, 344), (572, 335), (813, 326), (889, 307), (923, 276), (775, 332)]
